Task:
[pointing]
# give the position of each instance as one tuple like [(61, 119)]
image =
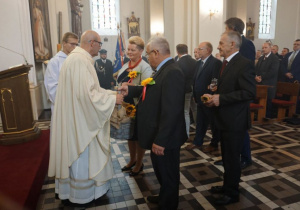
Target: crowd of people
[(217, 91)]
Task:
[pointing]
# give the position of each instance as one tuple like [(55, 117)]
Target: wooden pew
[(260, 107), (292, 91)]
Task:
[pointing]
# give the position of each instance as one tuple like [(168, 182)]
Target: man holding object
[(160, 120)]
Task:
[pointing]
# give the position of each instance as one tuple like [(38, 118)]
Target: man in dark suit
[(275, 49), (187, 65), (207, 69), (266, 71), (104, 70), (160, 120), (236, 88), (291, 65), (247, 49)]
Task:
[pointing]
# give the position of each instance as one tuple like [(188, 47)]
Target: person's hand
[(214, 100), (289, 75), (124, 89), (158, 150), (120, 99), (212, 89), (258, 78)]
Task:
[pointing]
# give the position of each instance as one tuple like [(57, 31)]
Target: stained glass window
[(267, 19), (105, 16)]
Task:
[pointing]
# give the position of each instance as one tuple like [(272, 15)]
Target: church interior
[(271, 182)]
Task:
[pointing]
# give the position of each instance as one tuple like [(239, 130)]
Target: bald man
[(80, 156)]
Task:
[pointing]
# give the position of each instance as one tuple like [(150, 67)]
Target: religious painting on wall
[(250, 30), (40, 30), (133, 26), (76, 13)]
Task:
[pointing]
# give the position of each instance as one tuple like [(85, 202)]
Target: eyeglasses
[(147, 54), (100, 43), (202, 48), (73, 44)]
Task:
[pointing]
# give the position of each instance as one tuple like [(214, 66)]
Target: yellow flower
[(148, 81), (130, 110), (133, 74)]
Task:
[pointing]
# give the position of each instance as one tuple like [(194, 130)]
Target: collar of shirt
[(162, 63), (183, 55), (205, 59), (231, 56), (268, 55), (62, 54)]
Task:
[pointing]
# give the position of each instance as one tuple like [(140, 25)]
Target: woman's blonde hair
[(138, 41)]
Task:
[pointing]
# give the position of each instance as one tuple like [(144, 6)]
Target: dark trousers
[(166, 169), (246, 150), (204, 118), (231, 146)]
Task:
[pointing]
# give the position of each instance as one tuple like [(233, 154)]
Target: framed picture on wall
[(133, 26), (40, 30)]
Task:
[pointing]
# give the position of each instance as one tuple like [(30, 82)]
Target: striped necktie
[(291, 59)]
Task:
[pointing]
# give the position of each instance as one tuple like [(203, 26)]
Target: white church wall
[(211, 28)]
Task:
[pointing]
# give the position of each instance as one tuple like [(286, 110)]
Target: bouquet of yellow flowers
[(130, 110)]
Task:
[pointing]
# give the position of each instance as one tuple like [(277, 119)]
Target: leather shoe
[(224, 200), (132, 173), (217, 189), (192, 146), (125, 168), (209, 148), (153, 199), (245, 164), (218, 162)]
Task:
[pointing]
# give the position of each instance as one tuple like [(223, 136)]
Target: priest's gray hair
[(161, 44)]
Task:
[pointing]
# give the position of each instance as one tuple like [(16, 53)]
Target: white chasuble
[(80, 157)]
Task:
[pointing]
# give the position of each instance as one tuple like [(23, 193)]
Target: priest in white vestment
[(80, 157)]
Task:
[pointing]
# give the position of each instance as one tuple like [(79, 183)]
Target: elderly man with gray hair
[(160, 120)]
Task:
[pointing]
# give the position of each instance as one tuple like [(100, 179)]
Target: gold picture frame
[(133, 26), (250, 30), (40, 30)]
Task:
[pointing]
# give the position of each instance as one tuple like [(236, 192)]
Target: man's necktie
[(293, 55), (200, 67), (154, 72), (223, 67)]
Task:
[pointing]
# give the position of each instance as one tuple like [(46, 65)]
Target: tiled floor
[(272, 182)]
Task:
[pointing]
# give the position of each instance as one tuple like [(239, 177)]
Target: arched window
[(267, 19), (105, 16)]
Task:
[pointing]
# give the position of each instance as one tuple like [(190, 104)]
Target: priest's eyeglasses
[(100, 43)]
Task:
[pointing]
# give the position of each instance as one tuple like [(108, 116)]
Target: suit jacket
[(187, 65), (202, 79), (268, 70), (247, 49), (105, 73), (160, 117), (295, 68), (237, 88)]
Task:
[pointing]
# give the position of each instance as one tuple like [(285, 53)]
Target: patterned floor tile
[(271, 182)]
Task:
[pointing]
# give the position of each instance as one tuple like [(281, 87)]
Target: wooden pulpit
[(15, 106)]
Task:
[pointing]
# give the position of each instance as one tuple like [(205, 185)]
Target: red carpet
[(23, 168)]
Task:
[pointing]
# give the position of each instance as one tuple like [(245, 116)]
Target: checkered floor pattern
[(271, 182)]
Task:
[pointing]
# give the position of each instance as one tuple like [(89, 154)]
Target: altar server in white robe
[(69, 42), (80, 157)]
